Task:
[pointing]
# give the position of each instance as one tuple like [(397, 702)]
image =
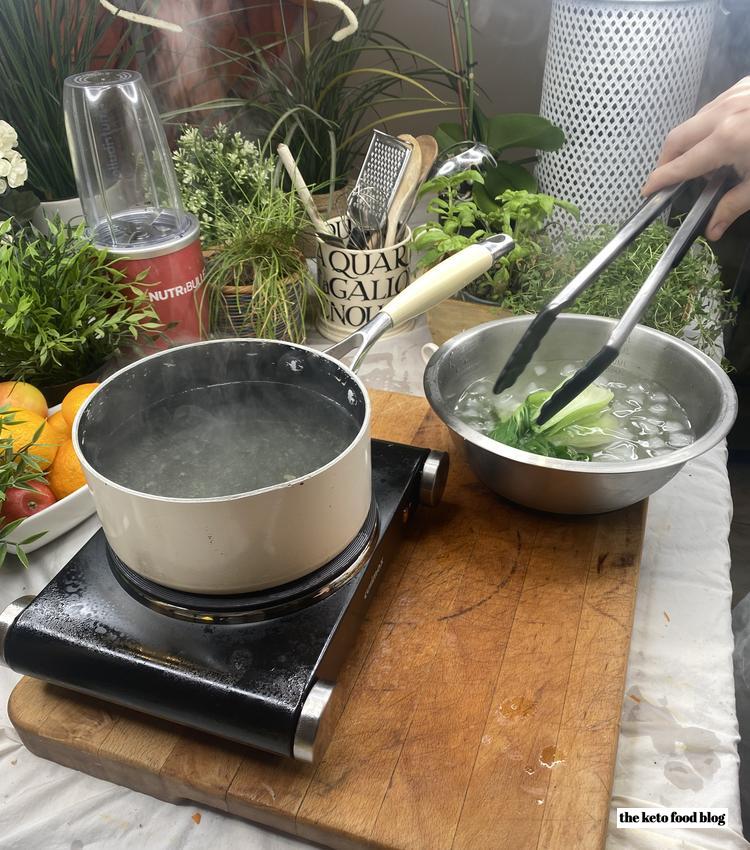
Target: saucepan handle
[(445, 279), (427, 291)]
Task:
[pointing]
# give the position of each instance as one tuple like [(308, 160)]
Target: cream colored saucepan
[(254, 540)]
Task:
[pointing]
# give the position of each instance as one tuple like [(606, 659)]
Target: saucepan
[(249, 541)]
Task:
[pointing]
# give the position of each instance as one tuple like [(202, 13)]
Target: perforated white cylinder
[(618, 77)]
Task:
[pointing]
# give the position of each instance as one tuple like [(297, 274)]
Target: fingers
[(685, 136), (735, 202), (706, 156)]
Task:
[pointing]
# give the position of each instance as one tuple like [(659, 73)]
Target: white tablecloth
[(679, 729)]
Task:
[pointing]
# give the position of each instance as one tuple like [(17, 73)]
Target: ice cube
[(679, 440), (540, 370), (672, 427), (644, 428), (658, 408)]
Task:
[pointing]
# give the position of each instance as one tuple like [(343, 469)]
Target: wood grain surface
[(480, 707)]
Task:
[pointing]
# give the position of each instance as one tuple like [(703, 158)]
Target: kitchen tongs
[(680, 244)]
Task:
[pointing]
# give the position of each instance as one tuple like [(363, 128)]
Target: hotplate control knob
[(434, 478)]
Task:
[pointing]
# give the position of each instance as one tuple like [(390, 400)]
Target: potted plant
[(319, 95), (64, 309), (45, 41), (692, 303), (217, 173), (501, 133), (257, 280), (13, 174), (459, 222)]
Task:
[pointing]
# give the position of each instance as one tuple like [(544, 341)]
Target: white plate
[(57, 518)]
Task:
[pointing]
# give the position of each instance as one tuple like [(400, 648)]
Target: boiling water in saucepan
[(226, 439), (651, 422)]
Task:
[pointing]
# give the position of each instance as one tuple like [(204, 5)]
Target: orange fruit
[(22, 432), (57, 421), (66, 474), (74, 399)]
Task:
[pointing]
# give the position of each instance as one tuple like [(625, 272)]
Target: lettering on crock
[(359, 264), (354, 306), (356, 285)]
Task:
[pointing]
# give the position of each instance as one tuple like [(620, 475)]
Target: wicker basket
[(236, 318)]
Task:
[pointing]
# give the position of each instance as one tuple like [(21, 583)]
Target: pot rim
[(363, 431), (723, 419)]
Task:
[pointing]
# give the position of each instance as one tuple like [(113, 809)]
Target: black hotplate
[(257, 668)]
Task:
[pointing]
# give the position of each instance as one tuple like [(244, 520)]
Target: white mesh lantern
[(618, 77)]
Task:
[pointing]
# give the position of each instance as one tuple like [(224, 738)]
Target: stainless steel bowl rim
[(282, 485), (723, 420)]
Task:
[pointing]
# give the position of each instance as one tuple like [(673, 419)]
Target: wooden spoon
[(407, 188), (429, 147)]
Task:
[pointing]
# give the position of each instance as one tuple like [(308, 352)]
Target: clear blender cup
[(130, 196)]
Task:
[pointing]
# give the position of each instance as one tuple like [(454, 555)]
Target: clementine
[(23, 430), (74, 399), (66, 474), (57, 421)]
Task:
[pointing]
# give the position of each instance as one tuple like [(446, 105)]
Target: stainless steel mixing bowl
[(574, 487)]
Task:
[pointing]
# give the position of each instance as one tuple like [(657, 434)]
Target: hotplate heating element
[(256, 668)]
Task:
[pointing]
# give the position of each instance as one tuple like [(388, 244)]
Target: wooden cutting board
[(480, 706)]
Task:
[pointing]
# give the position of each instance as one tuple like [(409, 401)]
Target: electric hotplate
[(256, 668)]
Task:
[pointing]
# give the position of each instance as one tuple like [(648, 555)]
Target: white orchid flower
[(8, 137), (18, 172), (13, 169), (352, 24)]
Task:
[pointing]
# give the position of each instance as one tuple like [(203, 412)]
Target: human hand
[(717, 135)]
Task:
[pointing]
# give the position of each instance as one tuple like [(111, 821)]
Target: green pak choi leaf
[(582, 425)]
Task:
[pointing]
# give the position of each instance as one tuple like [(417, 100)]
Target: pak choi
[(584, 424)]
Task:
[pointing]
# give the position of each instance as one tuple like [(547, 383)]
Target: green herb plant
[(256, 226), (18, 469), (216, 172), (501, 133), (692, 302), (64, 308), (459, 222), (584, 424)]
